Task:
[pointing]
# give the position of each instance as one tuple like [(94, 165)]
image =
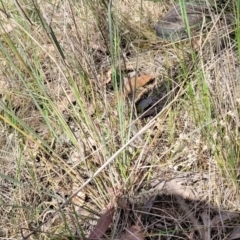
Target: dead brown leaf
[(137, 82), (103, 222), (133, 233), (220, 218), (235, 234), (108, 77), (196, 44), (191, 216)]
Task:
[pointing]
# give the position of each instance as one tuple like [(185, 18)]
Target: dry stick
[(146, 127)]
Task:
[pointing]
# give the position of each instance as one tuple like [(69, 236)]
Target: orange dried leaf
[(135, 83)]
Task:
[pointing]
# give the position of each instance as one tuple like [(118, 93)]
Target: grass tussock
[(70, 141)]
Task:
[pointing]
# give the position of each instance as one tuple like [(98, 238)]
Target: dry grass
[(61, 123)]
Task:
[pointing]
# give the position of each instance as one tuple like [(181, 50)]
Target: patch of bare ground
[(164, 156)]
